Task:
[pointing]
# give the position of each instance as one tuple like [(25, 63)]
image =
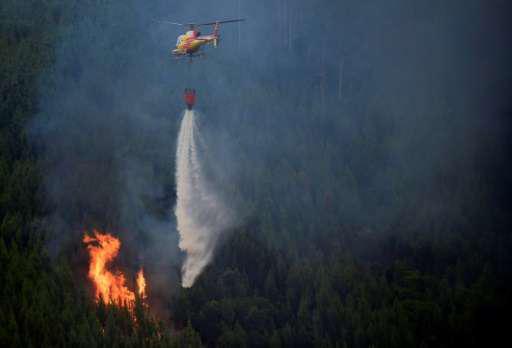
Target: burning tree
[(110, 287)]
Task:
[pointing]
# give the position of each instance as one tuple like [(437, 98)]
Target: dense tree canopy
[(343, 243)]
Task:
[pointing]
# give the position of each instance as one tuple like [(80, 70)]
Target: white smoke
[(201, 216)]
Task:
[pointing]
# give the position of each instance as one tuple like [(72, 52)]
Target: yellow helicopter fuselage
[(190, 43)]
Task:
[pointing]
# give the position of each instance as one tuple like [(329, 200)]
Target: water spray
[(200, 214)]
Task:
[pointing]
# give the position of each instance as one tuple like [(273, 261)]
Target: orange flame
[(141, 284), (103, 248)]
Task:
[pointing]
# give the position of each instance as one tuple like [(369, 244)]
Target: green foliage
[(40, 304), (419, 284), (339, 300)]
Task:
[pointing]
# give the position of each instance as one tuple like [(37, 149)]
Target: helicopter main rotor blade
[(196, 25), (225, 21), (175, 23)]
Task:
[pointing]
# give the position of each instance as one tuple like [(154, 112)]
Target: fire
[(111, 287), (141, 284)]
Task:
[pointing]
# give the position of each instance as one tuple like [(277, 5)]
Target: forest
[(362, 147)]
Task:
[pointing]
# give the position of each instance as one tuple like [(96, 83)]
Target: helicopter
[(190, 43)]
